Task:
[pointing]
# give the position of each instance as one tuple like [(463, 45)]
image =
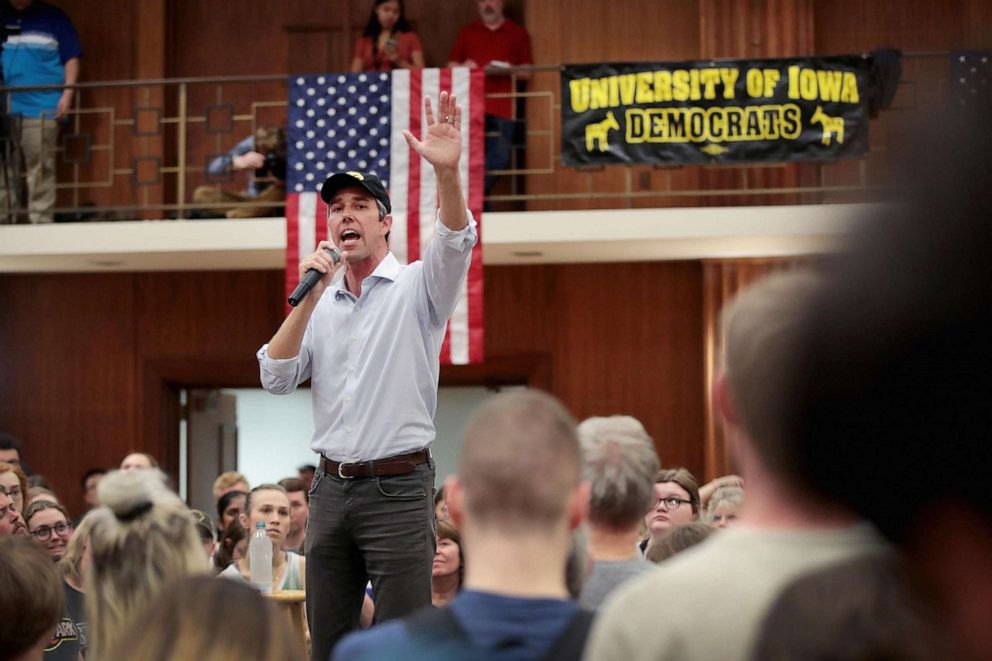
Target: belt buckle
[(342, 475)]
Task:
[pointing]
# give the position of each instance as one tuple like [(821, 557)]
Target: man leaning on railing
[(39, 47)]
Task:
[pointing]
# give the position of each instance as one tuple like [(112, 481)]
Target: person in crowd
[(42, 495), (726, 585), (676, 501), (619, 463), (229, 481), (11, 451), (263, 155), (138, 461), (91, 478), (202, 618), (208, 535), (724, 507), (519, 532), (37, 480), (857, 610), (143, 537), (299, 511), (448, 568), (229, 508), (495, 42), (371, 510), (15, 483), (306, 473), (894, 419), (11, 521), (707, 490), (70, 640), (41, 48), (32, 601), (388, 42), (49, 523), (677, 539), (440, 506), (232, 546), (268, 504)]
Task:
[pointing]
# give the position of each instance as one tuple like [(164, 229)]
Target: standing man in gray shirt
[(369, 336), (619, 462)]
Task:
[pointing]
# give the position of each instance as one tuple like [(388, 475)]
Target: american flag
[(354, 122), (971, 71)]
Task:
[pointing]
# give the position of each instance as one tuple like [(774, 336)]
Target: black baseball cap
[(369, 182)]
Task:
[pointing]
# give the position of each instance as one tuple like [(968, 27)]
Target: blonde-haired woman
[(203, 618), (142, 538)]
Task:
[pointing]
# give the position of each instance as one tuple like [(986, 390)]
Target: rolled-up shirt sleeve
[(446, 262), (281, 376)]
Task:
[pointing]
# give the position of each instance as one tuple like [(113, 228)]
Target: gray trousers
[(378, 529)]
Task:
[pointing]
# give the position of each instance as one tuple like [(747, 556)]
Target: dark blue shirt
[(499, 628)]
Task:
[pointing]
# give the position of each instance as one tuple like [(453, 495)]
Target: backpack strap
[(572, 641)]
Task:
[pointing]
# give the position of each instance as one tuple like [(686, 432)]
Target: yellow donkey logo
[(600, 131), (832, 126)]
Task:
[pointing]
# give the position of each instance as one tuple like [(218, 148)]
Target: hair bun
[(130, 494)]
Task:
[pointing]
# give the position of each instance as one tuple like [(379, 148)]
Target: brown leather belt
[(401, 464)]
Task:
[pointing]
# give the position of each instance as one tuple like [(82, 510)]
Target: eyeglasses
[(671, 502), (62, 529)]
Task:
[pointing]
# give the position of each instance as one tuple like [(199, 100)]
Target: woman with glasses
[(49, 524), (70, 640), (676, 501), (14, 483)]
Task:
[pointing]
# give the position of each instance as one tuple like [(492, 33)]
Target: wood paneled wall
[(83, 358), (91, 363)]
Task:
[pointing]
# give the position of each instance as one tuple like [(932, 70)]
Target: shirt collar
[(388, 269)]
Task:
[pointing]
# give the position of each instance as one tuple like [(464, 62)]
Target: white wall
[(274, 431)]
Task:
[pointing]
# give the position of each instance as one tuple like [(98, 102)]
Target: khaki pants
[(31, 166)]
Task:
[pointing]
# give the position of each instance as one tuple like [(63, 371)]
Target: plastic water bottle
[(260, 559)]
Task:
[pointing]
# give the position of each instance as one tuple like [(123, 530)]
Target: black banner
[(730, 111)]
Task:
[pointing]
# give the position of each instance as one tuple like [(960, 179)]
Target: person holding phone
[(388, 42)]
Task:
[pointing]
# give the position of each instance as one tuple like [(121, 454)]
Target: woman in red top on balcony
[(388, 42)]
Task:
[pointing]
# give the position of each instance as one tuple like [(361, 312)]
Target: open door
[(211, 444)]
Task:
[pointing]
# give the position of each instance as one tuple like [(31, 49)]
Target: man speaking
[(369, 334)]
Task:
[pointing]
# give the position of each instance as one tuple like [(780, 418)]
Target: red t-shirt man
[(479, 44)]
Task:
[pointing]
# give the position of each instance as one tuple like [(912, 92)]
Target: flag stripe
[(475, 188), (413, 164), (399, 158), (458, 328), (307, 225), (430, 87)]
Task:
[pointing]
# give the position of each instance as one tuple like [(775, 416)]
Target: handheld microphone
[(310, 278)]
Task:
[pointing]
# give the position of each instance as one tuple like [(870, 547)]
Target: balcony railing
[(138, 149)]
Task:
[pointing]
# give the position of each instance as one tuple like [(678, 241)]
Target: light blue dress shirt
[(374, 360)]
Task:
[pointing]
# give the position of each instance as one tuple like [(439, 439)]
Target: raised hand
[(442, 143)]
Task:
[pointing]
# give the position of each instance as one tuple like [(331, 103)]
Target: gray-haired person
[(619, 462)]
